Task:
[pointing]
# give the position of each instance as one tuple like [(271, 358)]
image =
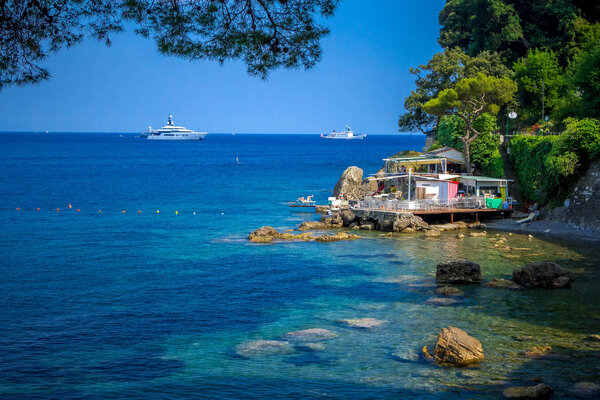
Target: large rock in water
[(408, 220), (266, 234), (350, 184), (347, 217), (458, 271), (455, 346), (543, 274)]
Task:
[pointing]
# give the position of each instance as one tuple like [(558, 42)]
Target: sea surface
[(134, 280)]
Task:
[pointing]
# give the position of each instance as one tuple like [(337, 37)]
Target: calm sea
[(134, 279)]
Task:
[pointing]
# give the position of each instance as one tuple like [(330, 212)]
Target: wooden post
[(452, 218), (476, 217)]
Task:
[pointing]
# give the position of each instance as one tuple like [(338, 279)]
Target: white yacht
[(172, 132), (347, 134)]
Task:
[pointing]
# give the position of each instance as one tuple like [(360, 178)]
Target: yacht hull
[(186, 137)]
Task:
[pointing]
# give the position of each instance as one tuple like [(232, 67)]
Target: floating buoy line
[(99, 211)]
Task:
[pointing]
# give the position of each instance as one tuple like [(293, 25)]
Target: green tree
[(586, 79), (541, 84), (443, 71), (469, 99), (265, 34)]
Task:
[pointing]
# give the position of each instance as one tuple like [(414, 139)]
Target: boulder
[(458, 271), (408, 220), (543, 274), (499, 283), (478, 234), (540, 391), (449, 291), (350, 184), (253, 348), (538, 351), (347, 217), (364, 323), (266, 234), (594, 338), (455, 346), (313, 226), (369, 226), (332, 221)]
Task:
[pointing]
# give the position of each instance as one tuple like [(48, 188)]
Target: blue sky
[(361, 80)]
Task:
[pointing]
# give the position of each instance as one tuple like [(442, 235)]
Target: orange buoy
[(78, 210), (70, 206), (38, 209), (123, 211), (139, 211), (99, 211), (18, 208), (57, 210)]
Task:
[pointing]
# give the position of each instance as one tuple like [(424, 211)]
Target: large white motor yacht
[(347, 134), (172, 132)]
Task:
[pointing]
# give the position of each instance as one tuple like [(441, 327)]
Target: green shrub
[(548, 167)]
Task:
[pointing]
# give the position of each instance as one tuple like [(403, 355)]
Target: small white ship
[(172, 132), (347, 134)]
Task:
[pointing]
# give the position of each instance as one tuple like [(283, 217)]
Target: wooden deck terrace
[(438, 212)]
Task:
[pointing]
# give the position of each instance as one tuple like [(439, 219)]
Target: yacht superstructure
[(173, 132), (347, 134)]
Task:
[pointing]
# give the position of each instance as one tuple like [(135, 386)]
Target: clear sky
[(361, 80)]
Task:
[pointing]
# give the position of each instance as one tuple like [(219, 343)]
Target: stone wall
[(582, 209)]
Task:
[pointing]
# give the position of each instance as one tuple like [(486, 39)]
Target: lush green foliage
[(265, 34), (539, 76), (484, 149), (547, 167)]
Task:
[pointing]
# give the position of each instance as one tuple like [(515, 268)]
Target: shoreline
[(550, 229)]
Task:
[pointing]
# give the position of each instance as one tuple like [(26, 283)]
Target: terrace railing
[(374, 204)]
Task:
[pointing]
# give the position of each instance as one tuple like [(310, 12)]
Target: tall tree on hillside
[(265, 34), (443, 71), (469, 99), (541, 84)]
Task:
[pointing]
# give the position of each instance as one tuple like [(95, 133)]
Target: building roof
[(432, 157), (482, 178)]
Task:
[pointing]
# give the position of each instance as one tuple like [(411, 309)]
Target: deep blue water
[(101, 303)]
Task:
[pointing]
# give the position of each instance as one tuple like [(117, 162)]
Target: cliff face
[(582, 209)]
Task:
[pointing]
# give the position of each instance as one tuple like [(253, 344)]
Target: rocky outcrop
[(441, 301), (585, 390), (540, 391), (347, 217), (582, 209), (333, 221), (313, 226), (538, 351), (267, 234), (455, 346), (543, 275), (458, 271), (349, 184)]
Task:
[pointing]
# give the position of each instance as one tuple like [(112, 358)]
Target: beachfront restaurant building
[(493, 189), (441, 161)]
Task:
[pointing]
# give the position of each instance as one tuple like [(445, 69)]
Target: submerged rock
[(586, 390), (478, 234), (543, 274), (499, 283), (538, 351), (441, 301), (455, 346), (253, 348), (449, 291), (364, 323), (267, 234), (540, 391), (458, 271), (594, 338), (432, 233), (312, 334)]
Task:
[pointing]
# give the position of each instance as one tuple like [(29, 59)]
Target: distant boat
[(172, 132), (347, 134)]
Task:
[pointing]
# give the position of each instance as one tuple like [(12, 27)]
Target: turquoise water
[(153, 305)]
